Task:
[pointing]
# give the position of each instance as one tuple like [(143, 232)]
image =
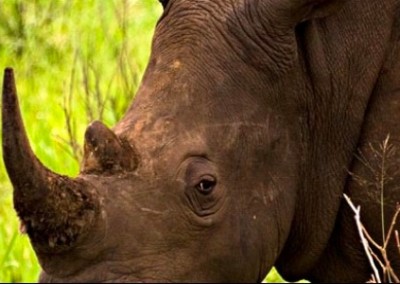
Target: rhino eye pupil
[(205, 186)]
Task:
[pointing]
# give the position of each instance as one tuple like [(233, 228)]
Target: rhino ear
[(320, 8), (289, 13), (105, 153)]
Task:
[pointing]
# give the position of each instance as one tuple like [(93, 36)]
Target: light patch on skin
[(271, 195), (208, 221), (139, 126), (156, 212), (160, 137), (264, 199), (176, 65), (22, 228)]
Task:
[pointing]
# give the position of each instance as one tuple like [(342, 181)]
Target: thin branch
[(393, 275), (363, 239), (381, 263), (397, 241), (68, 115), (394, 220), (369, 238)]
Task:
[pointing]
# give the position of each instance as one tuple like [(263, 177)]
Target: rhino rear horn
[(54, 209), (105, 153)]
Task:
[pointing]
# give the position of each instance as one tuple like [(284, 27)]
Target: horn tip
[(8, 74), (96, 124), (9, 88), (95, 130)]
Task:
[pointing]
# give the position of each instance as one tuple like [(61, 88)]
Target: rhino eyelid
[(196, 155)]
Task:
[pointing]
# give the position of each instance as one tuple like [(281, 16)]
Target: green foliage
[(274, 277), (81, 50), (17, 260), (75, 62), (70, 58)]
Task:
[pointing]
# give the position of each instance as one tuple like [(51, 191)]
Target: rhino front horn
[(54, 210)]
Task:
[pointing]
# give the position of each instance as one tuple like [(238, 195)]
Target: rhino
[(234, 154)]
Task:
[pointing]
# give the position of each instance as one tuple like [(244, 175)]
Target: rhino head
[(199, 180)]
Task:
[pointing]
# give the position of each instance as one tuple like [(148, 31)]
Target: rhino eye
[(206, 185), (164, 3)]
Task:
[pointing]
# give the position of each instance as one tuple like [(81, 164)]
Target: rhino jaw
[(54, 209)]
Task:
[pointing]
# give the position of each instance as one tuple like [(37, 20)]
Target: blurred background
[(75, 62)]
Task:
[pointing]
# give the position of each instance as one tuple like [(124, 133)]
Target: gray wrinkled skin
[(235, 153)]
